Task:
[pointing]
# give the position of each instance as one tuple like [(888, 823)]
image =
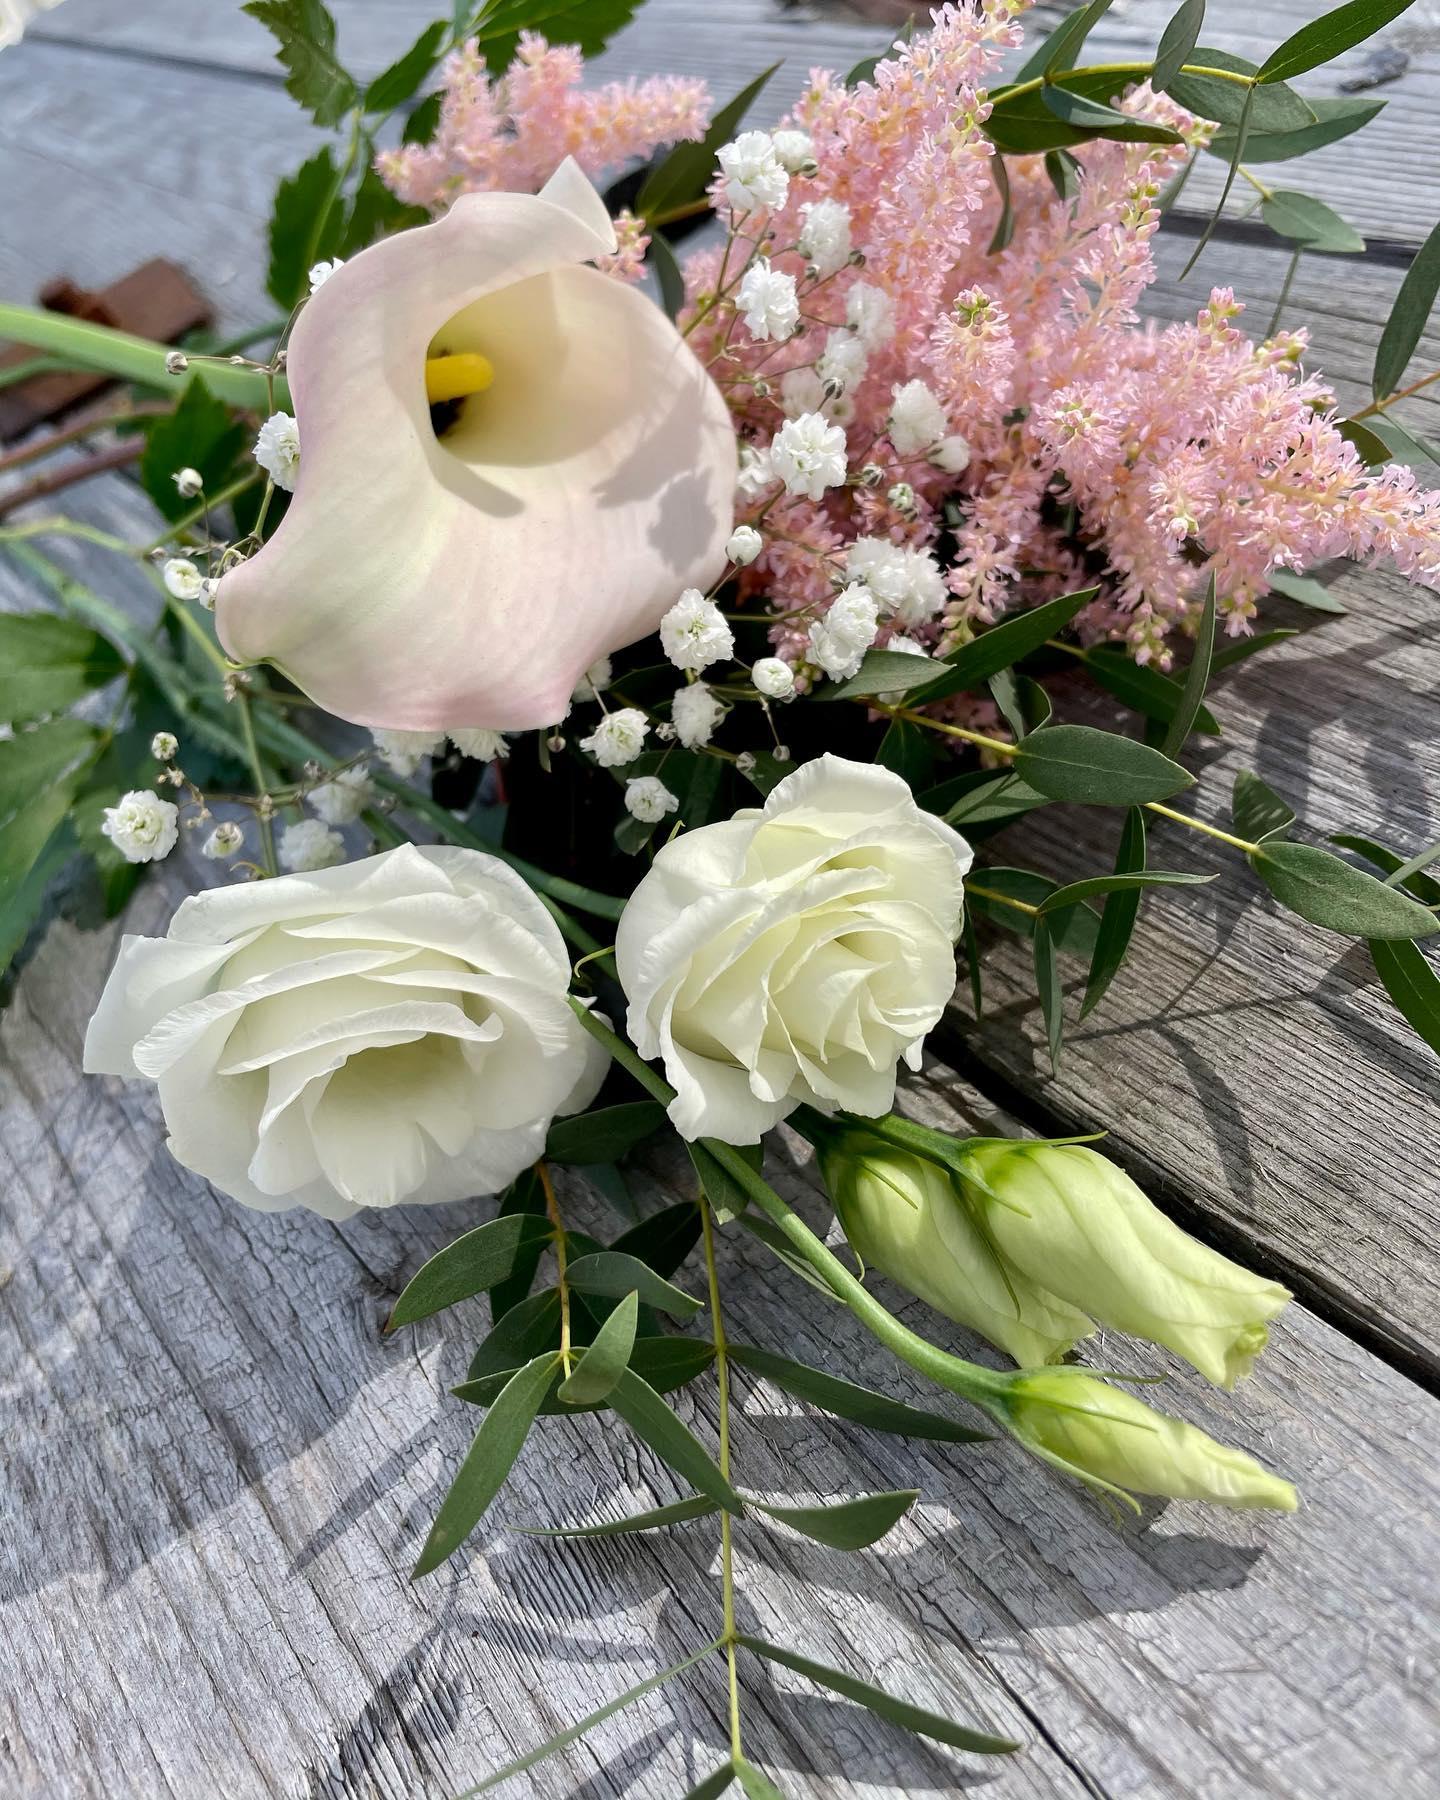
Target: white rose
[(392, 1030), (794, 953)]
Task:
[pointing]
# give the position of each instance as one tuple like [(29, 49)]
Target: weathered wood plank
[(217, 1473)]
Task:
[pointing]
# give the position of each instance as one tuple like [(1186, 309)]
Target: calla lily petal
[(421, 582)]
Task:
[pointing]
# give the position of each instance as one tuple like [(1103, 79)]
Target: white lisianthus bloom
[(402, 752), (695, 712), (825, 236), (484, 746), (505, 452), (694, 634), (767, 299), (838, 642), (809, 455), (743, 545), (648, 799), (870, 314), (342, 799), (737, 952), (917, 419), (794, 149), (141, 826), (392, 1030), (618, 738), (774, 678), (308, 845), (277, 450), (754, 174), (183, 581)]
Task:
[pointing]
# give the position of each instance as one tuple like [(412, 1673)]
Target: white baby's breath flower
[(277, 450), (695, 711), (142, 826), (906, 581), (756, 474), (795, 150), (825, 235), (648, 799), (309, 845), (870, 314), (767, 299), (223, 841), (694, 633), (838, 642), (802, 391), (917, 419), (774, 678), (163, 745), (476, 741), (322, 271), (342, 799), (809, 455), (183, 581), (952, 454), (594, 681), (402, 752), (743, 545), (842, 362), (618, 738), (189, 483), (754, 174)]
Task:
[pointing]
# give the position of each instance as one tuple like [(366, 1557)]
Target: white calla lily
[(584, 478)]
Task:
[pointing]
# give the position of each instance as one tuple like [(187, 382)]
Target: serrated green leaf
[(1128, 882), (1244, 648), (1412, 984), (1006, 644), (685, 173), (588, 24), (27, 871), (1408, 317), (603, 1136), (305, 33), (424, 121), (845, 1524), (1256, 810), (47, 663), (678, 1512), (1047, 985), (1177, 41), (1117, 921), (885, 672), (393, 86), (674, 1443), (201, 434), (1096, 119), (1097, 768), (899, 1712), (607, 1358), (1143, 688), (489, 1460), (1422, 886), (374, 212), (1197, 676), (40, 771), (1336, 116), (612, 1274), (1334, 894), (1310, 222), (1329, 36), (471, 1265), (847, 1400), (1306, 590)]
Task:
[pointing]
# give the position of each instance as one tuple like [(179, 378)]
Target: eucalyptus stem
[(552, 1212), (1120, 68), (727, 1554), (1023, 906)]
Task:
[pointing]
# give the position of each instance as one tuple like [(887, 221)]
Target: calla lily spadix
[(465, 566)]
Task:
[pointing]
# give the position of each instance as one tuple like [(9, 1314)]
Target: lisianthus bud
[(1065, 1218), (1104, 1434), (905, 1217)]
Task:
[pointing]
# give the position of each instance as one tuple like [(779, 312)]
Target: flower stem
[(252, 754), (1379, 406), (552, 1212), (727, 1555), (1213, 831), (973, 887)]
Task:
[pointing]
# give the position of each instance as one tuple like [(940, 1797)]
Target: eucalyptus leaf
[(1005, 644), (990, 802), (845, 1524), (530, 1326), (674, 1443), (718, 1780), (1373, 450), (1097, 768), (1197, 676), (471, 1265), (1408, 317), (1329, 36), (606, 1359), (1244, 648), (1074, 929), (1098, 120), (1026, 705), (678, 1512), (757, 1784), (1047, 985), (603, 1136), (613, 1274), (864, 70), (885, 672), (1005, 224), (669, 276), (1242, 133), (778, 1244), (667, 1363), (726, 1196), (1271, 108), (1412, 984), (847, 1400), (1401, 442), (1143, 688), (1256, 810), (1306, 590), (1328, 892), (1336, 116), (1122, 908), (1131, 882), (909, 752), (1177, 42), (1308, 221), (1424, 887), (1064, 173)]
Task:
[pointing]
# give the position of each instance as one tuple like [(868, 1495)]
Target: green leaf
[(1308, 221), (27, 871), (1335, 894), (846, 1524), (652, 1420), (1117, 922), (612, 1274), (1097, 768), (46, 664), (1271, 108), (1401, 442), (1422, 886), (530, 1326), (306, 36), (1063, 46), (1024, 703), (1408, 317), (1306, 590), (489, 1460), (1242, 133), (665, 1239), (424, 121), (778, 1244), (588, 24), (1073, 930), (396, 84), (1335, 118), (998, 794), (667, 1363), (678, 1512), (720, 1779), (1197, 676), (864, 70), (374, 212), (909, 752), (1064, 173), (669, 276), (1005, 644), (607, 1358), (1329, 36), (1096, 119), (899, 1712), (685, 173), (885, 672), (847, 1400), (471, 1265), (200, 434), (1143, 688), (725, 1194), (1130, 882), (1244, 648), (1412, 984), (603, 1136), (40, 771), (1256, 810), (757, 1785), (1177, 41), (1047, 985), (1005, 224)]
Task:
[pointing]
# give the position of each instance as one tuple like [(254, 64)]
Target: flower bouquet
[(601, 633)]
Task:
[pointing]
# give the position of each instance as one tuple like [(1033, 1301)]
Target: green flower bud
[(1105, 1435), (906, 1217), (1068, 1221)]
